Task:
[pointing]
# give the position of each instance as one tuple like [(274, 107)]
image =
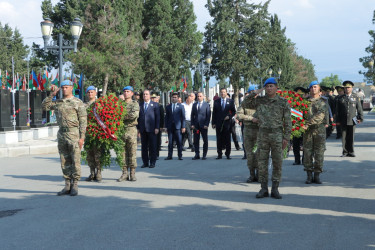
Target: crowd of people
[(265, 121)]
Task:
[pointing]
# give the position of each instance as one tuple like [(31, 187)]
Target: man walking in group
[(273, 116), (148, 128), (188, 104), (222, 114), (175, 125), (71, 116), (156, 98), (349, 113), (314, 138), (130, 136), (200, 120)]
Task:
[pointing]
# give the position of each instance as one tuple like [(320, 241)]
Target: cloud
[(305, 4)]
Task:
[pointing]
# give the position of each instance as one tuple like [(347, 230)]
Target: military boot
[(275, 190), (74, 189), (317, 178), (92, 175), (99, 175), (264, 191), (124, 175), (252, 177), (66, 189), (132, 174), (309, 177)]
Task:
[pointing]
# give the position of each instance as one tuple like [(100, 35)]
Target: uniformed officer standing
[(340, 92), (71, 117), (348, 114), (93, 154), (274, 118), (250, 134), (130, 136), (314, 138)]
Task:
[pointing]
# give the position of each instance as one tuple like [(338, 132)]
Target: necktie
[(146, 104), (223, 104), (173, 106), (199, 106)]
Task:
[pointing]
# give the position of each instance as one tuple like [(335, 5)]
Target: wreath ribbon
[(103, 126)]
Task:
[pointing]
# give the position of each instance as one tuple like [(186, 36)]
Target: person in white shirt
[(188, 104)]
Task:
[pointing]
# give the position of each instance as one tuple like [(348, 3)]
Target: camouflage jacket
[(246, 115), (272, 113), (132, 114), (318, 112), (70, 113)]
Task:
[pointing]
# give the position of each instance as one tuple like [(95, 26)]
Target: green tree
[(197, 81), (369, 73), (331, 81), (11, 45)]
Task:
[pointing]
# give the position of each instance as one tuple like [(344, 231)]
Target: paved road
[(192, 205)]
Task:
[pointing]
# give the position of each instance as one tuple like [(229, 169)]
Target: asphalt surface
[(192, 204)]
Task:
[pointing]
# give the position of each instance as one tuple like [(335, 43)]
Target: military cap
[(270, 80), (339, 87), (300, 90), (251, 88), (66, 83), (313, 83), (90, 88), (348, 84), (154, 95), (128, 88)]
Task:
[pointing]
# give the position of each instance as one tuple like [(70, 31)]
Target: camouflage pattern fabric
[(250, 134), (130, 136), (71, 117), (275, 124), (93, 155), (314, 138)]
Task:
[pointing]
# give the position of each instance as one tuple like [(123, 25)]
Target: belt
[(65, 129)]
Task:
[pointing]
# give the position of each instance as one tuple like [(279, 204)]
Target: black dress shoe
[(168, 158), (244, 158), (183, 149), (351, 155), (296, 163), (180, 158), (219, 157), (152, 165), (144, 166), (196, 158), (192, 150), (228, 157), (204, 158)]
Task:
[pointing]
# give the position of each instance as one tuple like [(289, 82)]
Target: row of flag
[(40, 81), (183, 85)]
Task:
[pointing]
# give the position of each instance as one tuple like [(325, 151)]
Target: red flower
[(289, 101), (298, 118), (294, 121), (297, 128)]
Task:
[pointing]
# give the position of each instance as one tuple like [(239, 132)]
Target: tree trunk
[(236, 91), (105, 85)]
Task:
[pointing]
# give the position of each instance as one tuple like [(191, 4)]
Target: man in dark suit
[(222, 114), (200, 119), (348, 114), (148, 127), (175, 125), (156, 98)]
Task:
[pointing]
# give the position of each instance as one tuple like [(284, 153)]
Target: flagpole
[(13, 93)]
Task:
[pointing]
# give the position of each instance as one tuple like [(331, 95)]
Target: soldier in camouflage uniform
[(130, 136), (93, 154), (250, 135), (71, 117), (314, 138), (274, 119)]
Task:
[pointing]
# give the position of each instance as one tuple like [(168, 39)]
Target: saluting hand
[(80, 143), (54, 90)]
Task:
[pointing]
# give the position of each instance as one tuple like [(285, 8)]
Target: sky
[(333, 34)]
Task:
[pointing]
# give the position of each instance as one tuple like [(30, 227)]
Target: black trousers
[(158, 144), (197, 134), (188, 135), (297, 143), (148, 140), (174, 135), (348, 139), (338, 131), (223, 139)]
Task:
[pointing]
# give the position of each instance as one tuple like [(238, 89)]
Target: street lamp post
[(61, 46), (202, 67)]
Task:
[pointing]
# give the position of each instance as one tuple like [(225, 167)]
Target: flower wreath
[(105, 127)]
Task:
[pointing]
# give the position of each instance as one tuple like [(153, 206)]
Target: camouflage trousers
[(270, 140), (70, 154), (250, 135), (130, 154), (314, 142), (93, 158)]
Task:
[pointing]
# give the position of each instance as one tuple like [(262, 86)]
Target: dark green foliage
[(368, 73)]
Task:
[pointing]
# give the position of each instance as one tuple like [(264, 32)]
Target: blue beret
[(128, 88), (270, 80), (66, 83), (251, 88), (90, 88), (313, 83)]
